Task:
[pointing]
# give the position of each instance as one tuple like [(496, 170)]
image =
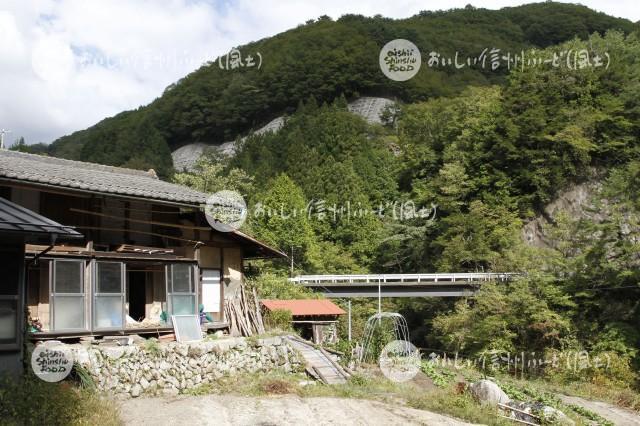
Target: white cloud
[(66, 64)]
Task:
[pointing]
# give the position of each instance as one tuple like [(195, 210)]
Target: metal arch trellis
[(400, 332)]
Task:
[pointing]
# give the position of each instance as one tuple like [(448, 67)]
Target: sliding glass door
[(68, 296), (181, 289), (108, 299)]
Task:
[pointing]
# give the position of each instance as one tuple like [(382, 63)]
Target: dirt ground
[(277, 410), (617, 415)]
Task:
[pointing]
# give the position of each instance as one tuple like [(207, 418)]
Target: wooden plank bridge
[(400, 285), (319, 363)]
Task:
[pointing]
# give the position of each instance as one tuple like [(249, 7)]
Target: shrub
[(273, 286), (605, 368), (279, 319), (32, 401), (152, 347), (82, 376)]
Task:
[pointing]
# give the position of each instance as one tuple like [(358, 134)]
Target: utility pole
[(349, 319), (2, 133), (292, 264), (379, 297)]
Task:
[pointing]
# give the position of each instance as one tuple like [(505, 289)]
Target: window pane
[(108, 311), (68, 312), (211, 290), (68, 276), (187, 328), (181, 278), (8, 318), (183, 305), (10, 272), (109, 277)]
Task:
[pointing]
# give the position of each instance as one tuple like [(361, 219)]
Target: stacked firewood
[(242, 312)]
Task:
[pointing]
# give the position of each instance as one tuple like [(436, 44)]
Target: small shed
[(316, 319)]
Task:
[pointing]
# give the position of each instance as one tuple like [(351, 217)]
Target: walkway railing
[(448, 278)]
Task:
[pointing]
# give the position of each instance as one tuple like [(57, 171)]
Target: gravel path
[(284, 410), (617, 415)]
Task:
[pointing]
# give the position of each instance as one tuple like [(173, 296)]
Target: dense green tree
[(477, 239), (279, 216), (521, 316), (210, 175), (21, 145)]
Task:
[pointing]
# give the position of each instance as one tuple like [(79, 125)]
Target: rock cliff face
[(576, 202), (185, 157), (172, 368)]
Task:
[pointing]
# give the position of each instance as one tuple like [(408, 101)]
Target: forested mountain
[(323, 59), (490, 158)]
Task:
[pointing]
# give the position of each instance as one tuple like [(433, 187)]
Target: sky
[(67, 64)]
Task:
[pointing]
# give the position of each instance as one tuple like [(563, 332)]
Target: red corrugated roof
[(305, 306)]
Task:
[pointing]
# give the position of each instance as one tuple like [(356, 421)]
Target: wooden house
[(146, 250)]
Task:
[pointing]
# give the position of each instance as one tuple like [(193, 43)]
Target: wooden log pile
[(242, 312)]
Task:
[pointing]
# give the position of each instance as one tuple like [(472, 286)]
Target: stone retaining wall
[(171, 368)]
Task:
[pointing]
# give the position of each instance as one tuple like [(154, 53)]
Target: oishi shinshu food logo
[(225, 211), (400, 60), (52, 362)]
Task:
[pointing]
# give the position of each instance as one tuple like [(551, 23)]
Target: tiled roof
[(18, 220), (304, 306), (78, 175)]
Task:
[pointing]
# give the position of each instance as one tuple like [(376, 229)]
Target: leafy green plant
[(83, 377), (152, 346), (441, 377), (277, 286), (590, 415), (278, 319)]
